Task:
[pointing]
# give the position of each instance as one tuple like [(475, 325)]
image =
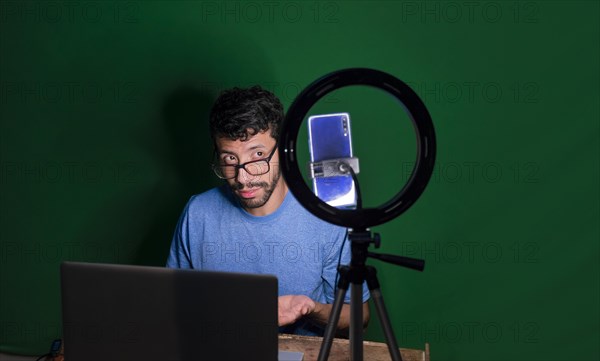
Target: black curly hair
[(240, 113)]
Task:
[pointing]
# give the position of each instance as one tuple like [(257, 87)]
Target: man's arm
[(320, 316), (294, 307)]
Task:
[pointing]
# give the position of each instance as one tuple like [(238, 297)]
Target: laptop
[(122, 312)]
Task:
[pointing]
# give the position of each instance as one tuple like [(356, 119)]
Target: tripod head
[(362, 239)]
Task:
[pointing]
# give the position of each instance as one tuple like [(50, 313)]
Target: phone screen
[(330, 138)]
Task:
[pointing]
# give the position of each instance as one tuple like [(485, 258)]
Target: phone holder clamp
[(333, 167)]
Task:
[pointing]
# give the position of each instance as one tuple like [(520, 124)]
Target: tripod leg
[(334, 316), (356, 322), (382, 314)]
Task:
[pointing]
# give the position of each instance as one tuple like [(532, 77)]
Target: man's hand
[(293, 307)]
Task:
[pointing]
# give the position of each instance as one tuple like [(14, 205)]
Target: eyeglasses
[(255, 167)]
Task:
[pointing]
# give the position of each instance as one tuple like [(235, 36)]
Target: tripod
[(356, 274)]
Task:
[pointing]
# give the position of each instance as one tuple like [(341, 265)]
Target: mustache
[(239, 186)]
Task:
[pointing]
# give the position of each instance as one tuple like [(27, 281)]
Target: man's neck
[(274, 202)]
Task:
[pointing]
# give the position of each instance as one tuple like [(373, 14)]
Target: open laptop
[(120, 312)]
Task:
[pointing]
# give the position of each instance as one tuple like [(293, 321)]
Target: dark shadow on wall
[(136, 225), (186, 160)]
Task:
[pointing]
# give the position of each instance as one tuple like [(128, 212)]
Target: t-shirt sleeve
[(338, 252), (179, 254)]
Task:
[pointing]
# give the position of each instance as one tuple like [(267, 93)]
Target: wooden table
[(340, 349)]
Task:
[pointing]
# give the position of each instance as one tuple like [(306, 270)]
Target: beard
[(267, 188)]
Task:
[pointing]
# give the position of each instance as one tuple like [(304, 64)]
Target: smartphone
[(330, 137)]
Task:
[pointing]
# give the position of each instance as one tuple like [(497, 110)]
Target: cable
[(55, 350), (345, 168), (335, 284), (348, 169)]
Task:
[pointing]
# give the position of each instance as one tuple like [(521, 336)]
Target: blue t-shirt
[(215, 233)]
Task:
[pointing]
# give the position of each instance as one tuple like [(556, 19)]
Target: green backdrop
[(103, 108)]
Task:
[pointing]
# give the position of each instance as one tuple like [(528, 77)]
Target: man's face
[(255, 192)]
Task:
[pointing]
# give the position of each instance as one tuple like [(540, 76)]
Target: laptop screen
[(122, 312)]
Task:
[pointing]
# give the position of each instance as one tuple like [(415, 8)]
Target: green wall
[(103, 107)]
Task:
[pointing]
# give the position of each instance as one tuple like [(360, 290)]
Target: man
[(253, 224)]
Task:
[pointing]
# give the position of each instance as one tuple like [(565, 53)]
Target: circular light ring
[(366, 217)]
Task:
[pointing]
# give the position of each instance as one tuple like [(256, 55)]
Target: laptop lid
[(121, 312)]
